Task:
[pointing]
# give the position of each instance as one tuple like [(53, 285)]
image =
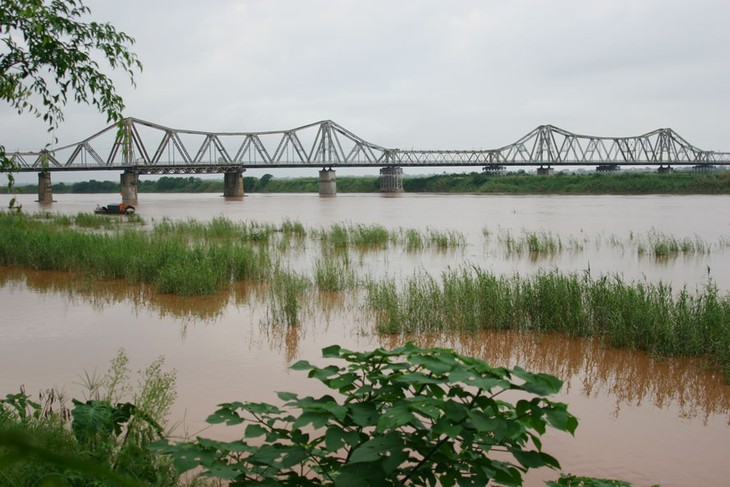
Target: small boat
[(121, 209)]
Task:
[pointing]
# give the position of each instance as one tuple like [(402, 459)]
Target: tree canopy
[(50, 53)]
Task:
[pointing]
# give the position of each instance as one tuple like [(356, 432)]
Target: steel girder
[(150, 148)]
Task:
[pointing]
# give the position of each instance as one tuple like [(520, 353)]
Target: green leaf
[(372, 450), (317, 420), (333, 351), (528, 459), (301, 365), (360, 475), (254, 431), (541, 384), (287, 396), (559, 418)]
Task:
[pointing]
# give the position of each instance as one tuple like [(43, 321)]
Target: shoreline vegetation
[(207, 258), (474, 182)]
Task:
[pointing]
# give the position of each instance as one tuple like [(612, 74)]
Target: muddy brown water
[(641, 419)]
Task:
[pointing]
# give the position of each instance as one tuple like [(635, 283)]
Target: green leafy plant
[(101, 438), (407, 416)]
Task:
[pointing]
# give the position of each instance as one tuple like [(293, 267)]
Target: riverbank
[(475, 182)]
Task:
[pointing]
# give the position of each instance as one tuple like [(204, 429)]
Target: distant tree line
[(475, 182)]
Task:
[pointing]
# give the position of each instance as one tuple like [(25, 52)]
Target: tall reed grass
[(642, 316), (286, 297)]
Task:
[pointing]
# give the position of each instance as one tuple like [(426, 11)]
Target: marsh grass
[(166, 259), (333, 272), (369, 237), (286, 297), (218, 228), (641, 316), (532, 243), (660, 245)]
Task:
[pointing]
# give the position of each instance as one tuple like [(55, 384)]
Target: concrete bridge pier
[(45, 188), (129, 180), (233, 184), (545, 171), (391, 179), (327, 182)]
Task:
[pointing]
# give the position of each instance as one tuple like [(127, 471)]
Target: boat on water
[(120, 209)]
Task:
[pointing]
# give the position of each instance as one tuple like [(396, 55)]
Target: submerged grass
[(641, 316), (286, 292), (166, 260)]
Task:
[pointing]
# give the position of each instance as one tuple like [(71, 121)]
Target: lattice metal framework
[(149, 148), (551, 146)]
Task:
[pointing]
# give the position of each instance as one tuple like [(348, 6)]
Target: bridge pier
[(129, 180), (665, 170), (327, 182), (545, 171), (45, 188), (391, 179), (233, 184)]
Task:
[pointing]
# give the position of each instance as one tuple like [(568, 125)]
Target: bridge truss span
[(548, 145), (149, 148)]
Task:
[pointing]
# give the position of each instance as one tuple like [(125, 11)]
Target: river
[(644, 420)]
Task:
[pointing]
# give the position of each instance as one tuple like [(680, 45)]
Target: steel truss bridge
[(143, 147)]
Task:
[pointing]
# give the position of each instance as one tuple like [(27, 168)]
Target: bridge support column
[(129, 180), (665, 170), (45, 188), (327, 182), (233, 184), (545, 171), (391, 179)]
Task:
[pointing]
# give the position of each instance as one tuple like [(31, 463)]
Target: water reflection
[(595, 371), (100, 294)]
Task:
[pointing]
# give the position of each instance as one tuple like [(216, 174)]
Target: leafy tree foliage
[(408, 416), (50, 53)]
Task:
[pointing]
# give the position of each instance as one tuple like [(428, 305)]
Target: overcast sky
[(418, 74)]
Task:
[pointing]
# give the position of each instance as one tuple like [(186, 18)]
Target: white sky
[(417, 74)]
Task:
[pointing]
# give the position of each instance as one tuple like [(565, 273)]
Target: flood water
[(643, 420)]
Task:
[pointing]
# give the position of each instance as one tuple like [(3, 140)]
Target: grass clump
[(332, 273), (286, 291), (641, 316)]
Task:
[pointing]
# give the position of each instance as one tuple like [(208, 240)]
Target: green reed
[(445, 239), (295, 228), (660, 245), (369, 236), (641, 316), (286, 296), (218, 228), (533, 243), (333, 273)]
